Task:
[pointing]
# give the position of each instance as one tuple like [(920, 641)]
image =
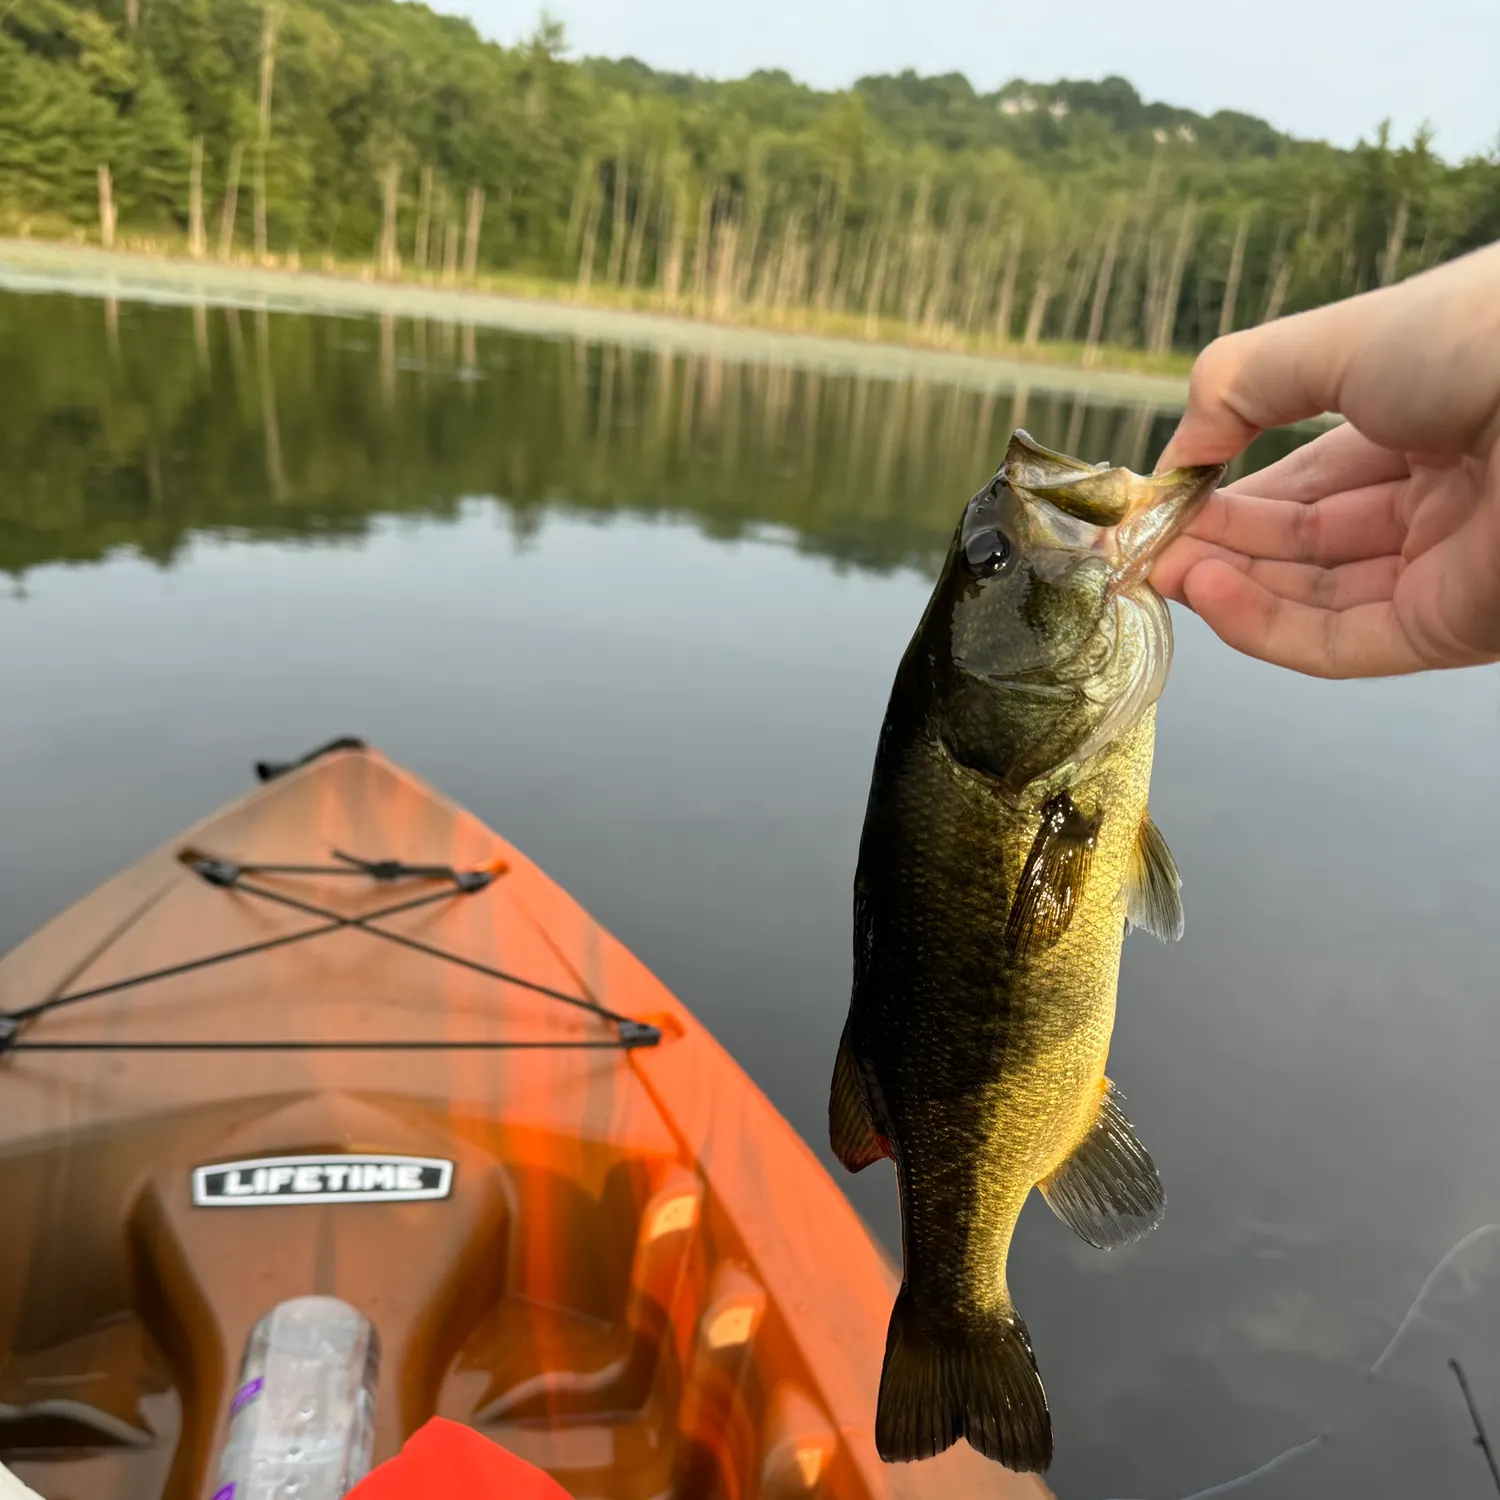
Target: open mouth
[(1171, 501)]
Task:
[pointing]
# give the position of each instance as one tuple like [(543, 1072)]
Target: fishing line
[(1271, 1464), (1470, 1238), (1226, 1486)]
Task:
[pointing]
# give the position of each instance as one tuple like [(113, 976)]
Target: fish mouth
[(1164, 506)]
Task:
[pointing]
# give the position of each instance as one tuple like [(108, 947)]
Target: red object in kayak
[(447, 1461)]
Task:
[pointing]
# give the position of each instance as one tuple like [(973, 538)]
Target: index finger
[(1262, 377), (1414, 366)]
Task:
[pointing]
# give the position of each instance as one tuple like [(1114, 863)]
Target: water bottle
[(302, 1420)]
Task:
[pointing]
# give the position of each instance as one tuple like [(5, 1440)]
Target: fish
[(1007, 849)]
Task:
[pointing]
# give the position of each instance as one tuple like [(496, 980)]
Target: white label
[(281, 1180)]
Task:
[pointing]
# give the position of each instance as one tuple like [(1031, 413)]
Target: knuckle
[(1307, 532)]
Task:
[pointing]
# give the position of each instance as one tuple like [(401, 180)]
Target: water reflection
[(142, 425), (640, 612)]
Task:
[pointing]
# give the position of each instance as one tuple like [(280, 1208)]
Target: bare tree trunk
[(1124, 300), (752, 251), (1007, 299), (590, 239), (1167, 321), (829, 260), (471, 232), (1281, 275), (390, 258), (828, 272), (916, 255), (584, 193), (979, 264), (450, 252), (1236, 270), (424, 222), (617, 229), (1434, 246), (855, 269), (1390, 262), (671, 271), (801, 281), (132, 14), (1083, 277), (258, 209), (106, 207), (231, 200), (1347, 258), (270, 27), (724, 266), (791, 241), (700, 247), (1041, 297), (1152, 298), (643, 201), (946, 252), (197, 238), (1279, 286), (884, 236), (1101, 292), (762, 289)]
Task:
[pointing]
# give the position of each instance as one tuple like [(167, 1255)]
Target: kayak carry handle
[(269, 770)]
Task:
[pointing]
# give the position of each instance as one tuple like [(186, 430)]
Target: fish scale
[(1007, 839)]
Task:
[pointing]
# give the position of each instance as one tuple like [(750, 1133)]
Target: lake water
[(640, 612)]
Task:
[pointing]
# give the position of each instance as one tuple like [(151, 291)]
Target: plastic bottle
[(301, 1424)]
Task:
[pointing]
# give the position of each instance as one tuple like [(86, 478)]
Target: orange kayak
[(338, 1087)]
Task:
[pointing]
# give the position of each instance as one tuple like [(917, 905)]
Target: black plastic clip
[(221, 872), (638, 1034)]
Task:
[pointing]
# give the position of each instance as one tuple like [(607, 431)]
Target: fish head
[(1045, 636)]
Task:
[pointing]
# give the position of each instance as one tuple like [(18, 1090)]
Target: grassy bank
[(1129, 371)]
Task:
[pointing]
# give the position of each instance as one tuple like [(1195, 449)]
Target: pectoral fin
[(1108, 1192), (854, 1139), (1154, 890), (1053, 877)]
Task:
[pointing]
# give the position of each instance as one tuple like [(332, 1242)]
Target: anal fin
[(854, 1139), (1108, 1192), (1154, 889)]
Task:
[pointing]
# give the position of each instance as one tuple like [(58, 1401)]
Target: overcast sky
[(1326, 68)]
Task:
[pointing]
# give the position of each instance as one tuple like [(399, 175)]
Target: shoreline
[(39, 267)]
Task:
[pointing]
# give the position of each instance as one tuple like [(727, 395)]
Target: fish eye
[(990, 552)]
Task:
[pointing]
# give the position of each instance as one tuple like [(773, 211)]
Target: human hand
[(1374, 549)]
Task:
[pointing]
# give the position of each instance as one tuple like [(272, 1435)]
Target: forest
[(385, 138)]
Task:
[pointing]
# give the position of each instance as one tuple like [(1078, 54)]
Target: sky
[(1331, 69)]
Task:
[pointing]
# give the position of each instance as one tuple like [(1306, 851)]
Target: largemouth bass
[(1007, 849)]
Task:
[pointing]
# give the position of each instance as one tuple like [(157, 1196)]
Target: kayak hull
[(636, 1275)]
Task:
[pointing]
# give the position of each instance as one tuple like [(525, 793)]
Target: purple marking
[(227, 1493), (242, 1398)]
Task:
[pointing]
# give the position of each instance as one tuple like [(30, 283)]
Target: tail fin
[(977, 1380)]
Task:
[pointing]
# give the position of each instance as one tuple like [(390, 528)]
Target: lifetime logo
[(283, 1180)]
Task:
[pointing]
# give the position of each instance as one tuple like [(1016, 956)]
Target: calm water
[(641, 613)]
